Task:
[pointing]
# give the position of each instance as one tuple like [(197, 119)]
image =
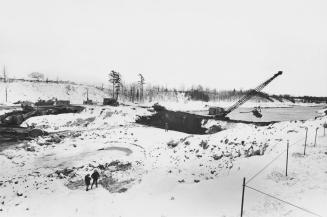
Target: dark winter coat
[(95, 175), (87, 180)]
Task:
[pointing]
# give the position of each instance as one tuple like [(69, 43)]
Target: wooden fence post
[(305, 142), (6, 94), (287, 157), (242, 197), (316, 137)]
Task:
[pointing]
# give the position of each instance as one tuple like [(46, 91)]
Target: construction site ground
[(179, 174)]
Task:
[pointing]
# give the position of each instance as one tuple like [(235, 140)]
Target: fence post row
[(287, 151)]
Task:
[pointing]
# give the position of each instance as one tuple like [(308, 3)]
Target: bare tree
[(115, 79), (137, 95), (4, 74), (118, 85), (141, 83), (5, 81), (112, 79), (132, 92)]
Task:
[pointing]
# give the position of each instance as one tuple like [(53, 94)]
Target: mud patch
[(116, 186), (75, 185), (109, 183), (116, 176)]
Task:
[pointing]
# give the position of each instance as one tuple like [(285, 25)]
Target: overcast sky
[(219, 44)]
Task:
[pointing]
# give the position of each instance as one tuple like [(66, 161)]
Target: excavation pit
[(187, 122), (175, 120)]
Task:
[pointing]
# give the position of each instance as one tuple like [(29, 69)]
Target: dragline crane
[(221, 113)]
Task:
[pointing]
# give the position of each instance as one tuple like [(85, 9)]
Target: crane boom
[(248, 96), (252, 93)]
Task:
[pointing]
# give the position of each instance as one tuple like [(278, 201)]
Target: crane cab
[(257, 112), (218, 112)]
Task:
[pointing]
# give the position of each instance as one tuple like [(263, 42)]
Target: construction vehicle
[(221, 113), (110, 101), (10, 122), (257, 112), (17, 117)]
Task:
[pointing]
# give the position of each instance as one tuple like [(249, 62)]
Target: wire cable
[(272, 161), (291, 204)]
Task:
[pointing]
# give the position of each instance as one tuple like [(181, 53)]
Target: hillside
[(76, 93), (32, 91)]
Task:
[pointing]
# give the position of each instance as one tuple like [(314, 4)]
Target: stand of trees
[(311, 99), (198, 94), (141, 82), (139, 91)]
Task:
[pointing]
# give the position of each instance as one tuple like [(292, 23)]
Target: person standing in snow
[(87, 180), (166, 127), (95, 176)]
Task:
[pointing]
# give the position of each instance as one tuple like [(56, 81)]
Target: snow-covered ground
[(146, 171)]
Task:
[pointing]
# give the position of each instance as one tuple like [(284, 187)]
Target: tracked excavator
[(221, 113)]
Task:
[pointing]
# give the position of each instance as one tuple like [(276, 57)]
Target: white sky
[(220, 44)]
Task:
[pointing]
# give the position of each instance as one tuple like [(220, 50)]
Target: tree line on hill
[(139, 92)]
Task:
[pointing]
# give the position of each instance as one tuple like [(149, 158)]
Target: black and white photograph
[(163, 108)]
